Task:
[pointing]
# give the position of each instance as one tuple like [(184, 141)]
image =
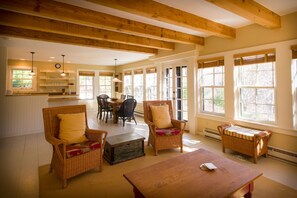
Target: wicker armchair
[(65, 166), (160, 141)]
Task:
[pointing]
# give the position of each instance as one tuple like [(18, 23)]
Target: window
[(294, 84), (151, 83), (105, 83), (128, 83), (21, 79), (256, 86), (211, 75), (138, 85), (86, 84)]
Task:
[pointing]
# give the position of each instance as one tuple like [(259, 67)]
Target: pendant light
[(115, 69), (63, 74), (32, 72)]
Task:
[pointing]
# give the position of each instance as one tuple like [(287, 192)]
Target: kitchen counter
[(54, 98)]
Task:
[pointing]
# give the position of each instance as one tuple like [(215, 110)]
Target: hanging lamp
[(63, 74), (32, 72), (115, 71)]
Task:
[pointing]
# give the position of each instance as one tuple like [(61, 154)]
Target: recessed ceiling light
[(49, 60), (68, 62), (52, 57), (22, 59)]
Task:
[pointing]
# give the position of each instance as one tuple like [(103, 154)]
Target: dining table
[(115, 104)]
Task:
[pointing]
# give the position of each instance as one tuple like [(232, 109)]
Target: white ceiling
[(21, 48)]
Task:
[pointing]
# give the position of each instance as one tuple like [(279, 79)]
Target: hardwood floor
[(21, 156)]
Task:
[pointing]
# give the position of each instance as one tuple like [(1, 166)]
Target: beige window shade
[(294, 51), (211, 62), (127, 73), (86, 73), (138, 71), (106, 74), (263, 56), (151, 70)]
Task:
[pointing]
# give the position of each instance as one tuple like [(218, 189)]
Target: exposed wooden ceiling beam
[(59, 38), (14, 19), (250, 10), (161, 12), (69, 13)]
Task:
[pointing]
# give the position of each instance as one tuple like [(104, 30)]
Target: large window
[(151, 83), (211, 75), (128, 83), (105, 83), (86, 84), (138, 85), (294, 84), (21, 79), (256, 86)]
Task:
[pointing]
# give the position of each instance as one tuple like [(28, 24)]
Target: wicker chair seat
[(167, 132), (81, 148)]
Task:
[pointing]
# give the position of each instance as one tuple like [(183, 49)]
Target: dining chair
[(103, 107), (126, 110), (123, 97)]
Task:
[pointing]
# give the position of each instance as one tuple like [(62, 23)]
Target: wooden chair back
[(52, 122), (147, 110)]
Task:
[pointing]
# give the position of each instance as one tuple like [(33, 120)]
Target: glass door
[(175, 89)]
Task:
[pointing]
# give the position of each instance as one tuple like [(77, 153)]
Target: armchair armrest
[(180, 124), (97, 135), (59, 146), (152, 127)]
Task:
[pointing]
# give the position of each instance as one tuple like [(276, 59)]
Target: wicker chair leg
[(255, 159), (181, 148), (64, 185)]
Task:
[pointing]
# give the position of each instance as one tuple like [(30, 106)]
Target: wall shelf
[(51, 81)]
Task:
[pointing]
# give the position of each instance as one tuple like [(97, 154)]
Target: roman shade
[(211, 62), (263, 56)]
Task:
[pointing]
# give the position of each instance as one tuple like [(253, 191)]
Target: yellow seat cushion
[(161, 116), (72, 127)]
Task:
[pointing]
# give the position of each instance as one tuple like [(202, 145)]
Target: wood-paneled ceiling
[(129, 30)]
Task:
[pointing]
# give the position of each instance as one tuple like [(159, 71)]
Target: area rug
[(110, 183)]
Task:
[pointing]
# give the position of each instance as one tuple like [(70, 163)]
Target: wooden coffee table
[(182, 177)]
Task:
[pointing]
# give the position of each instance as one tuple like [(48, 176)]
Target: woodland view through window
[(212, 86), (256, 87)]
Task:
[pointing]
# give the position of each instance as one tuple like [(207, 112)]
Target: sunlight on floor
[(189, 149), (192, 141)]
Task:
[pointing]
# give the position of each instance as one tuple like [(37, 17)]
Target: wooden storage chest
[(120, 148)]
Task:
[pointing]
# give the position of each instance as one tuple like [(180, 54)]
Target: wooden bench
[(248, 141)]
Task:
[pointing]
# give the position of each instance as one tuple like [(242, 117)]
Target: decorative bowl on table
[(113, 99)]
